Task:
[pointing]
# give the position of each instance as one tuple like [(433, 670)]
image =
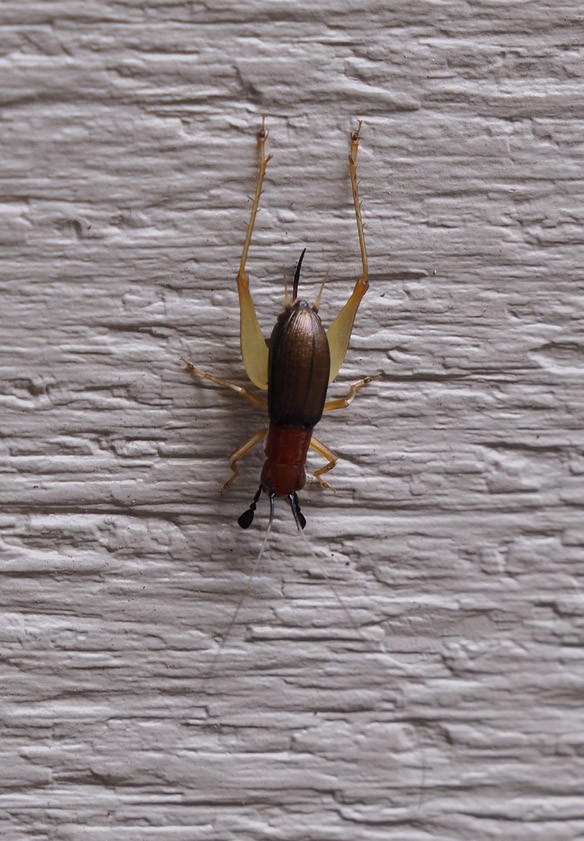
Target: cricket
[(295, 367)]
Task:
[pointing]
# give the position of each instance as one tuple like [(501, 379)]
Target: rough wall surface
[(455, 537)]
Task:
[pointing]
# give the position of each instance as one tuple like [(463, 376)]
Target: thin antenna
[(327, 579), (297, 277), (246, 590)]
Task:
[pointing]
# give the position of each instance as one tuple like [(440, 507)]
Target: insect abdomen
[(298, 368), (286, 447)]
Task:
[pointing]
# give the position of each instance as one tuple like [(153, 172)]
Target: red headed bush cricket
[(295, 366)]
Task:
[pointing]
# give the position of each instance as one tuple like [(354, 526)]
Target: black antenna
[(297, 277), (246, 518), (299, 517)]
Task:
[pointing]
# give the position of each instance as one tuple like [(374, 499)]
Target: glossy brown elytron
[(298, 368)]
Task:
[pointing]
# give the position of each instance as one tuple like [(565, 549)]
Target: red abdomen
[(286, 448)]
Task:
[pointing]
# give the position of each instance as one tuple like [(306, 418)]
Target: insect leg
[(355, 137), (261, 402), (325, 453), (339, 332), (240, 452), (343, 402), (254, 350)]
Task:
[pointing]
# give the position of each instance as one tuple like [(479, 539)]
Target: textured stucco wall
[(456, 538)]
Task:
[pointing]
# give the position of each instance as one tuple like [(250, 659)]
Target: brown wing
[(298, 368)]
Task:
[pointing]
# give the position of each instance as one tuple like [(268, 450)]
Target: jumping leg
[(339, 332), (254, 350)]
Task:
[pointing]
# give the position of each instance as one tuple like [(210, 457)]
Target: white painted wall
[(455, 536)]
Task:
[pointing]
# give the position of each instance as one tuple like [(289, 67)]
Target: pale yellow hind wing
[(254, 350), (339, 333)]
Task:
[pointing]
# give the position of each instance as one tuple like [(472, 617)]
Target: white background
[(455, 536)]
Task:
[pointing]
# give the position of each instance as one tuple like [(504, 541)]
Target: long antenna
[(331, 585), (246, 590)]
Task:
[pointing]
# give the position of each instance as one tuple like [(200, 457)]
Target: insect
[(296, 366)]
